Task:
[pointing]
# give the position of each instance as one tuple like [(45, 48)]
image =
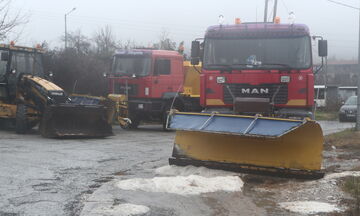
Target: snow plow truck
[(256, 88)]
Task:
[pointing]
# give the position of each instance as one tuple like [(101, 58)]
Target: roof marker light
[(237, 21), (221, 19), (277, 20), (291, 18)]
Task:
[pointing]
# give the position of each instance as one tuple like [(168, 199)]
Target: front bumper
[(347, 116)]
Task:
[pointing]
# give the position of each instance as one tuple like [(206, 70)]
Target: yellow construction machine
[(28, 99)]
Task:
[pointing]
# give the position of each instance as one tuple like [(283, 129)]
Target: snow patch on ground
[(183, 185), (309, 207), (125, 209), (187, 180), (191, 170), (341, 175)]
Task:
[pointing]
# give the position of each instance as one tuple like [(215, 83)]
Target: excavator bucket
[(250, 144), (85, 117)]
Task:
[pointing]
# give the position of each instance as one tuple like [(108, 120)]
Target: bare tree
[(79, 42), (165, 43), (105, 41), (7, 21)]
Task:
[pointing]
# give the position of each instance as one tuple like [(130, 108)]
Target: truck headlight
[(220, 79), (140, 106), (285, 79)]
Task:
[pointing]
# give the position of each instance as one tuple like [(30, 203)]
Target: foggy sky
[(143, 20)]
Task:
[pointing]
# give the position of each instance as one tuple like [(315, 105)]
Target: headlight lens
[(220, 79)]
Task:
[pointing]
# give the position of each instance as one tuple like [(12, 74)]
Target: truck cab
[(16, 61), (150, 79), (255, 68)]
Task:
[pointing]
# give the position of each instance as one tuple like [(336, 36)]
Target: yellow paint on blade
[(296, 102), (299, 149), (214, 102)]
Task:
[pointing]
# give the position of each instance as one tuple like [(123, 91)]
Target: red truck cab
[(150, 78), (257, 67)]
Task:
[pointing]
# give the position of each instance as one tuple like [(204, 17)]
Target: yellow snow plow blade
[(280, 147)]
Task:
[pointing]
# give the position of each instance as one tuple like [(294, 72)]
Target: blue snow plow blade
[(232, 124)]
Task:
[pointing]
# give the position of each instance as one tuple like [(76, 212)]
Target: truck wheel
[(21, 125), (134, 123), (342, 118), (32, 124)]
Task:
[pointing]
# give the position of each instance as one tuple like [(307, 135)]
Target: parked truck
[(258, 68), (257, 88), (146, 83)]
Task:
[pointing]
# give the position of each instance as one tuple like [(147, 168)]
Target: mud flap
[(74, 120), (280, 147)]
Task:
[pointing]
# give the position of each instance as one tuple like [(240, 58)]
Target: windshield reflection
[(130, 65), (258, 53)]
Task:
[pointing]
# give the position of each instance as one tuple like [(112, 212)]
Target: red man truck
[(255, 68), (153, 81)]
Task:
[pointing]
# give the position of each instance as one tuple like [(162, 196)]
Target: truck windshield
[(351, 101), (131, 65), (263, 53), (27, 63)]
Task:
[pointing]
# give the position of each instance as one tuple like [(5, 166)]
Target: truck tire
[(342, 118), (21, 125), (134, 123)]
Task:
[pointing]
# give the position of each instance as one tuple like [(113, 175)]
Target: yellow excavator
[(28, 98)]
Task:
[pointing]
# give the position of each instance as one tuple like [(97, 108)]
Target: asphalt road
[(73, 177)]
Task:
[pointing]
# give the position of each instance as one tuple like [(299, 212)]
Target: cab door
[(162, 80), (4, 96)]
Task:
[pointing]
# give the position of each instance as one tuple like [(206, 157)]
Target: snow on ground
[(191, 170), (125, 209), (341, 175), (185, 181), (309, 207), (183, 185)]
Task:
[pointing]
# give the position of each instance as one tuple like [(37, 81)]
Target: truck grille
[(120, 88), (256, 91)]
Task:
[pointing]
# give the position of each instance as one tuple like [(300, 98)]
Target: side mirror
[(195, 52), (323, 48), (4, 56)]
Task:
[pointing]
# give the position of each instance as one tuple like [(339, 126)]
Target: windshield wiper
[(286, 66), (228, 67)]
